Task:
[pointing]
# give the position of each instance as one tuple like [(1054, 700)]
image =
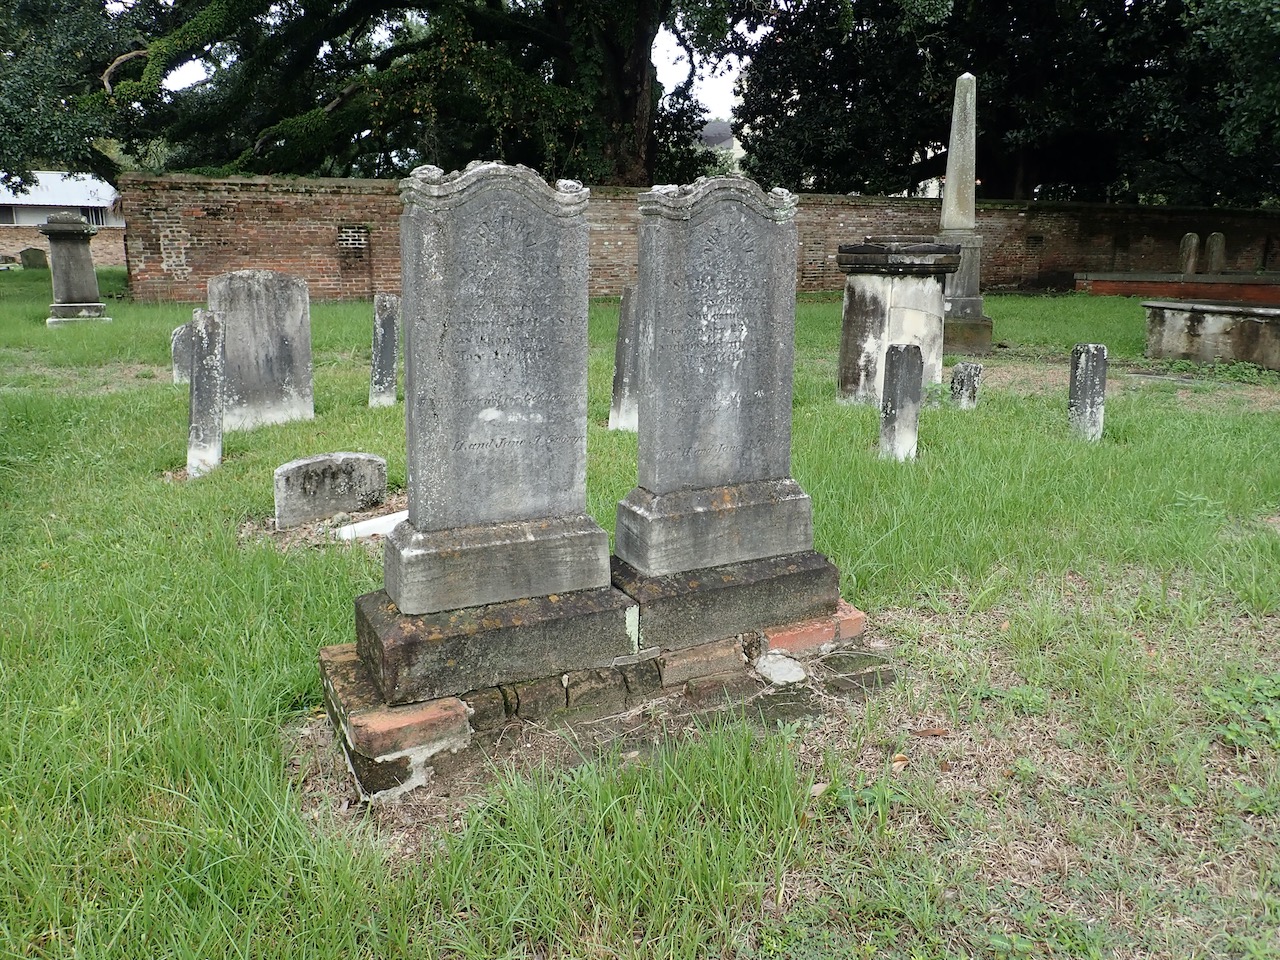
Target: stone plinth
[(892, 294), (75, 284)]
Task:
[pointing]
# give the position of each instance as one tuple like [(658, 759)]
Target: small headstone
[(1189, 253), (901, 401), (75, 284), (966, 377), (33, 258), (180, 347), (268, 332), (1088, 389), (1215, 253), (324, 486), (624, 412), (386, 338), (207, 377)]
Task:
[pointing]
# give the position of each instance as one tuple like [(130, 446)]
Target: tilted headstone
[(624, 410), (1088, 391), (715, 303), (323, 486), (1215, 253), (75, 284), (180, 347), (967, 329), (267, 316), (901, 401), (1189, 253), (892, 294), (494, 283), (33, 258), (208, 392), (386, 339), (966, 377)]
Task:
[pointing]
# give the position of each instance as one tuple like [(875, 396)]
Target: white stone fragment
[(779, 669)]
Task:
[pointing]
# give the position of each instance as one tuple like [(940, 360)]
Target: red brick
[(803, 637), (436, 724), (705, 660), (851, 622)]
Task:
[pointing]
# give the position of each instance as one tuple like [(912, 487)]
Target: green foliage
[(1248, 711)]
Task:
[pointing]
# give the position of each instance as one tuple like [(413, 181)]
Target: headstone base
[(448, 652), (969, 338), (694, 607), (435, 570), (60, 313), (695, 529)]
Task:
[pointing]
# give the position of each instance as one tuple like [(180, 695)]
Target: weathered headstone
[(967, 330), (892, 294), (33, 258), (268, 334), (386, 339), (208, 392), (624, 411), (1189, 253), (75, 284), (966, 377), (1088, 391), (323, 486), (901, 401), (180, 347), (1215, 253)]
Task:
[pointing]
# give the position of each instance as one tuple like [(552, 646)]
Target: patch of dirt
[(318, 533)]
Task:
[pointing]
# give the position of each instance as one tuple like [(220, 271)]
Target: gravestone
[(207, 377), (965, 380), (33, 258), (75, 284), (386, 339), (624, 409), (1189, 253), (967, 330), (323, 486), (893, 293), (1088, 391), (901, 401), (267, 318), (180, 347), (1215, 253)]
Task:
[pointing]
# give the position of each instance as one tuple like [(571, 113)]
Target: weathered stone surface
[(386, 339), (695, 607), (779, 670), (33, 258), (692, 529), (892, 294), (959, 209), (75, 284), (495, 312), (962, 289), (180, 349), (268, 323), (446, 653), (624, 411), (900, 405), (388, 748), (705, 660), (207, 377), (642, 677), (1210, 332), (1215, 253), (319, 487), (1189, 253), (539, 699), (1088, 391), (435, 570), (596, 692), (489, 708), (965, 379)]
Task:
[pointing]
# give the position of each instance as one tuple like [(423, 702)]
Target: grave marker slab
[(1189, 253), (1088, 391), (1215, 253), (180, 347), (33, 258), (323, 486), (624, 411), (966, 377), (207, 377), (901, 402), (268, 336), (386, 339)]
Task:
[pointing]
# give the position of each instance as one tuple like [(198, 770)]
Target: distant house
[(93, 199), (718, 136)]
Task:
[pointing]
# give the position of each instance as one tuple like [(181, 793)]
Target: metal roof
[(54, 189)]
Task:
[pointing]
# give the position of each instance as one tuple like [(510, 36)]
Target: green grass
[(1094, 624)]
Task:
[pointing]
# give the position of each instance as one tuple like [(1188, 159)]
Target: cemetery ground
[(1078, 756)]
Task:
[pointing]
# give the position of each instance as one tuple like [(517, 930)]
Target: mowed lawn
[(1078, 758)]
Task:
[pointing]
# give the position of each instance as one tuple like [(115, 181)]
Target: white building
[(53, 192)]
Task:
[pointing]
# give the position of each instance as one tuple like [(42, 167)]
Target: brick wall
[(107, 246), (343, 236)]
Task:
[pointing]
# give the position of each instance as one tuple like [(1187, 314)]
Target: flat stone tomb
[(267, 318)]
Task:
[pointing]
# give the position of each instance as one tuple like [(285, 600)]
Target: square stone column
[(75, 284)]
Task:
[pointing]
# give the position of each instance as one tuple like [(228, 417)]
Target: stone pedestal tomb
[(75, 284), (892, 294)]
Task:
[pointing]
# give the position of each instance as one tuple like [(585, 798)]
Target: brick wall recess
[(343, 236)]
